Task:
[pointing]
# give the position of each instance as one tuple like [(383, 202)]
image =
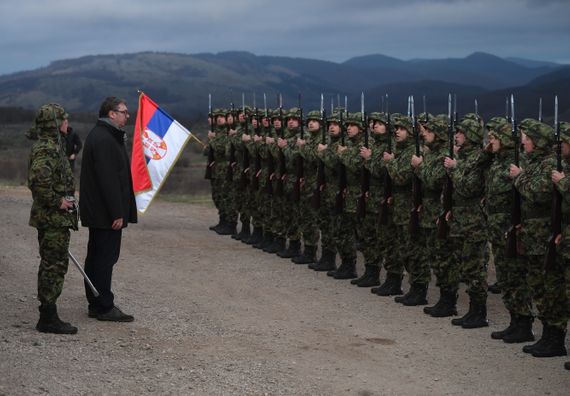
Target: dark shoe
[(543, 337), (326, 263), (553, 344), (277, 245), (401, 299), (567, 365), (115, 315), (499, 335), (391, 287), (417, 296), (446, 306), (267, 240), (228, 229), (494, 288), (371, 277), (461, 320), (293, 250), (51, 323), (346, 270), (478, 317), (244, 233), (522, 331), (308, 256), (255, 237), (220, 222)]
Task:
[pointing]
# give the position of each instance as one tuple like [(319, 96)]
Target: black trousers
[(103, 251)]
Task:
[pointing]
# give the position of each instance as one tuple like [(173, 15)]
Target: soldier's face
[(459, 138), (220, 120), (241, 117), (565, 148), (277, 123), (292, 123), (528, 144), (265, 122), (230, 119), (314, 125), (254, 122), (495, 143), (63, 127), (428, 136), (352, 130), (401, 134), (379, 128), (334, 129)]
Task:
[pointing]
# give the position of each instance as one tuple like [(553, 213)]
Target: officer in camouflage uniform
[(547, 287), (468, 225), (327, 217), (511, 272), (307, 215), (50, 180), (562, 182), (349, 155)]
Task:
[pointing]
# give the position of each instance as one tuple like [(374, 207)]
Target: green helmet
[(438, 125), (496, 123), (565, 132), (471, 127), (334, 117), (503, 132), (377, 116), (424, 117), (401, 120), (354, 119), (294, 112), (314, 115), (219, 112), (542, 135), (50, 116)]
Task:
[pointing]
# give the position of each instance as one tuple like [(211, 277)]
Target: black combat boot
[(446, 306), (255, 237), (495, 288), (522, 331), (293, 250), (545, 334), (567, 365), (478, 317), (461, 320), (51, 323), (371, 277), (277, 245), (228, 228), (309, 256), (553, 344), (401, 299), (267, 240), (417, 296), (326, 263), (499, 335), (244, 233), (221, 221), (392, 286), (346, 270)]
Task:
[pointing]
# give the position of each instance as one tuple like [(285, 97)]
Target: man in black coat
[(73, 146), (106, 205)]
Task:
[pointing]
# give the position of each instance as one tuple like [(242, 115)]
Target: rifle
[(342, 182), (233, 161), (416, 182), (300, 162), (244, 179), (384, 204), (321, 179), (511, 250), (211, 159), (556, 213), (282, 161), (270, 160), (365, 176), (540, 109), (447, 202)]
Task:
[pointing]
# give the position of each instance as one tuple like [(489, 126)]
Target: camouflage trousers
[(54, 246), (511, 272), (327, 225), (344, 236), (223, 194), (283, 218), (411, 252), (443, 257), (307, 221), (379, 243), (472, 267)]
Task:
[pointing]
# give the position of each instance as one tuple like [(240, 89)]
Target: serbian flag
[(158, 142)]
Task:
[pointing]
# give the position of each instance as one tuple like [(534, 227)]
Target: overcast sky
[(35, 32)]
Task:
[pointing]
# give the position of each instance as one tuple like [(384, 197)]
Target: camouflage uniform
[(468, 223), (50, 179), (535, 186)]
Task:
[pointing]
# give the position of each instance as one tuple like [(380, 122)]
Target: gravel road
[(216, 317)]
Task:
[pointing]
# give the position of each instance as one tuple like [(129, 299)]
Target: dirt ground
[(216, 317)]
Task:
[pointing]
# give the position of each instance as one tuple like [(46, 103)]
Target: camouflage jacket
[(219, 143), (377, 167), (353, 162), (432, 174), (310, 161), (50, 179), (401, 172), (331, 161), (498, 184)]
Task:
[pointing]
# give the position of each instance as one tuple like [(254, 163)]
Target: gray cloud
[(35, 33)]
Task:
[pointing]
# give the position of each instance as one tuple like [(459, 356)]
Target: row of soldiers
[(376, 182)]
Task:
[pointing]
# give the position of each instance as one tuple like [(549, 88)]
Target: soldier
[(53, 213), (511, 272), (468, 223), (562, 183), (533, 181), (307, 215)]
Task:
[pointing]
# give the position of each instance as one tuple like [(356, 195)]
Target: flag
[(157, 143)]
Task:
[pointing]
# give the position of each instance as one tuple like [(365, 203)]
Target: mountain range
[(180, 83)]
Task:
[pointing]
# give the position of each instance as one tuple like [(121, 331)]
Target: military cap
[(542, 135), (377, 116), (565, 132), (496, 123), (50, 116), (294, 112), (314, 115), (354, 119), (503, 132), (401, 120), (219, 112), (334, 117), (424, 117), (438, 125), (276, 113), (471, 126)]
